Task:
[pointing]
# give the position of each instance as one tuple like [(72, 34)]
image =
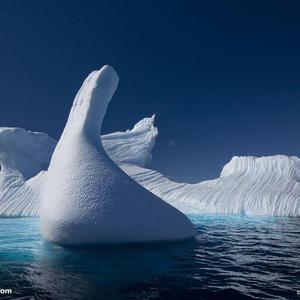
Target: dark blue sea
[(230, 258)]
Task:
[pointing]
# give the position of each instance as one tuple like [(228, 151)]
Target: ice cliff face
[(267, 186)]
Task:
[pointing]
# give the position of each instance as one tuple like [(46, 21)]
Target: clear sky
[(223, 77)]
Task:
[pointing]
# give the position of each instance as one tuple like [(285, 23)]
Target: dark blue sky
[(223, 77)]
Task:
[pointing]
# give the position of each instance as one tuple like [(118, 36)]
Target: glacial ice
[(261, 186), (86, 198), (247, 185), (133, 146), (25, 151), (23, 156)]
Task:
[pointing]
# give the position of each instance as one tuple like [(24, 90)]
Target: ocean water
[(230, 258)]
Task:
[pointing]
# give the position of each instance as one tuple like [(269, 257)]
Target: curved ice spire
[(86, 198)]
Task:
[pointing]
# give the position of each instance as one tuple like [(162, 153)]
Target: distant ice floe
[(262, 186)]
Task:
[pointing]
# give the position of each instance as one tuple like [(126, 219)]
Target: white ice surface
[(247, 185), (266, 186), (25, 151), (86, 198), (133, 146), (23, 154)]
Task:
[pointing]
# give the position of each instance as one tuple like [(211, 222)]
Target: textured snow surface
[(25, 151), (133, 146), (86, 198), (23, 154), (31, 152), (248, 186)]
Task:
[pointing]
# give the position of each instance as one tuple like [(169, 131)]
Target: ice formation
[(24, 154), (247, 185), (86, 198), (133, 146), (268, 186), (25, 151)]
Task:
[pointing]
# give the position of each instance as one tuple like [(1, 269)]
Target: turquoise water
[(231, 257)]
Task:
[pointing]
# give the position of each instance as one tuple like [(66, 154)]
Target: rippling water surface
[(231, 257)]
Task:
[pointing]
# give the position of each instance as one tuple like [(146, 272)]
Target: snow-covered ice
[(25, 151), (86, 198), (133, 146), (24, 154), (247, 185), (268, 186)]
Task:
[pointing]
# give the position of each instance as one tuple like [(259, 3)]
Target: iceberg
[(86, 199), (23, 157), (133, 146), (257, 186), (25, 154), (249, 185)]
